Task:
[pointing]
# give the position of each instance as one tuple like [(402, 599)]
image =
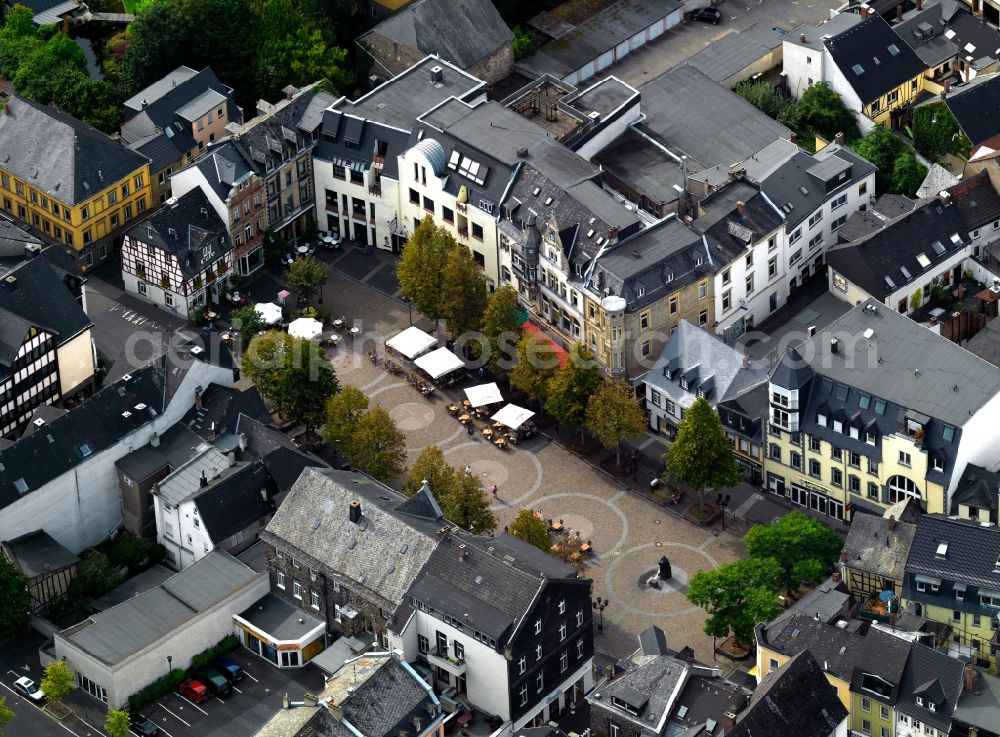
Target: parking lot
[(256, 698)]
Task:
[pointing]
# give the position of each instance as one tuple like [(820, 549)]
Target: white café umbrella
[(269, 312), (513, 416), (411, 342), (306, 328), (483, 394), (438, 363)]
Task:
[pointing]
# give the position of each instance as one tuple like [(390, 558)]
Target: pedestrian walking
[(494, 491), (470, 430), (468, 470)]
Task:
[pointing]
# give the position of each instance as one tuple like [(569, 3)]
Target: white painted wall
[(758, 301), (188, 541), (83, 506), (979, 444), (76, 361), (195, 636), (190, 178), (802, 66)]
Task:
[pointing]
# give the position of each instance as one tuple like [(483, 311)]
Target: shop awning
[(484, 394), (269, 312), (513, 416), (411, 342), (306, 328), (438, 363), (560, 352)]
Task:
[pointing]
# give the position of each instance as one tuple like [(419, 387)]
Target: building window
[(772, 266), (280, 579), (673, 305), (749, 283), (522, 664), (538, 652), (296, 589), (703, 318), (814, 468), (563, 662), (579, 618), (702, 290), (866, 704), (562, 632), (727, 300), (774, 452), (614, 731), (904, 458), (538, 626), (796, 460), (524, 695), (836, 477), (539, 682), (314, 599), (866, 726)]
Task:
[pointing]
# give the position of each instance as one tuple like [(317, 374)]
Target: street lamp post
[(409, 309), (170, 664), (599, 606), (722, 502)]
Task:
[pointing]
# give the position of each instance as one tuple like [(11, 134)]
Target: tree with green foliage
[(430, 466), (421, 269), (917, 300), (116, 723), (95, 576), (463, 294), (936, 132), (737, 596), (57, 681), (537, 363), (804, 548), (530, 528), (526, 42), (701, 455), (293, 374), (907, 174), (247, 321), (343, 414), (378, 447), (502, 328), (765, 97), (6, 715), (468, 506), (570, 389), (614, 415), (305, 276), (821, 112), (153, 42), (134, 552), (15, 602)]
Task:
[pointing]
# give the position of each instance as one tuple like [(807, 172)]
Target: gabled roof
[(283, 130), (382, 553), (58, 155), (794, 700), (970, 557), (224, 166), (422, 504), (189, 228), (977, 488), (236, 501), (729, 233), (717, 365), (903, 251), (873, 548), (646, 695), (976, 200), (464, 32), (934, 678), (873, 58)]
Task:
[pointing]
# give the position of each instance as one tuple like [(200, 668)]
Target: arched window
[(900, 487)]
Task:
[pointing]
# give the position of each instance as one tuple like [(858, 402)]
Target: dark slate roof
[(177, 446), (792, 371), (923, 31), (651, 690), (977, 33), (873, 548), (40, 296), (188, 228), (975, 109), (464, 32), (422, 504), (847, 655), (971, 557), (794, 700), (936, 678), (236, 501), (98, 423), (876, 263), (977, 488), (221, 409), (157, 107), (371, 136), (864, 43), (38, 553), (490, 589), (744, 414), (728, 232), (285, 465), (13, 242), (162, 150), (976, 200), (57, 154), (225, 165), (653, 641), (670, 256), (286, 129)]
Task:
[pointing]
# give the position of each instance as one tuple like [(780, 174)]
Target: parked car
[(194, 690), (230, 669), (706, 15), (143, 726), (29, 688), (215, 682)]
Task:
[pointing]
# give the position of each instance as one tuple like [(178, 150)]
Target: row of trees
[(781, 556), (47, 66), (255, 46), (368, 438)]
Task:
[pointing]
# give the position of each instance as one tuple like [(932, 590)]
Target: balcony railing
[(443, 659), (463, 233), (375, 189)]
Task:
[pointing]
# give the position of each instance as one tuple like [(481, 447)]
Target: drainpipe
[(634, 126)]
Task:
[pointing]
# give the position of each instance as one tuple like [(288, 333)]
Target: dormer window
[(821, 419), (931, 706), (684, 384), (937, 464), (920, 701), (838, 426)]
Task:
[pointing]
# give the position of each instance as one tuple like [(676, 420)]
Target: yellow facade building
[(876, 409), (67, 182)]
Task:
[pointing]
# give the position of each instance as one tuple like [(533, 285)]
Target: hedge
[(168, 683)]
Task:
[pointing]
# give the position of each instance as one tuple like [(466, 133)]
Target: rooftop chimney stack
[(355, 511), (728, 722), (741, 208), (802, 38), (203, 481), (154, 440), (863, 12), (437, 73), (969, 678), (920, 4), (891, 523), (463, 552), (945, 197), (839, 139)]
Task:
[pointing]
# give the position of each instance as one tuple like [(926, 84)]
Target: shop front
[(753, 472), (814, 497), (280, 633)]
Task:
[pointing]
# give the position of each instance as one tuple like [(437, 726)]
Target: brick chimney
[(839, 139), (354, 511), (890, 523), (728, 722), (946, 90), (463, 552), (793, 137), (920, 4), (741, 208), (969, 678), (863, 11)]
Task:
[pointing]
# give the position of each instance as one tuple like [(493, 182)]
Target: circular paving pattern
[(490, 472), (411, 416), (627, 575), (579, 524)]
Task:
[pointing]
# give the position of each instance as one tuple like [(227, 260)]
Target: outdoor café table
[(557, 526), (465, 419), (500, 441), (338, 323), (452, 409), (585, 548), (466, 403), (487, 433), (355, 331)]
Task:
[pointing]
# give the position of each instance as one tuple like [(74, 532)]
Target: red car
[(194, 690)]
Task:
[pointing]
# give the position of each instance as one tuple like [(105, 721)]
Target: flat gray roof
[(279, 619)]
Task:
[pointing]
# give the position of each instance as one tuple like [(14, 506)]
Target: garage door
[(638, 40), (621, 50), (605, 60), (656, 30), (570, 79), (588, 71)]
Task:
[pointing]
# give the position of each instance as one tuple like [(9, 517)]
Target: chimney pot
[(728, 722), (920, 4), (793, 137), (462, 552), (204, 480), (899, 11), (355, 511), (839, 139), (863, 12), (802, 38), (891, 523), (741, 208)]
